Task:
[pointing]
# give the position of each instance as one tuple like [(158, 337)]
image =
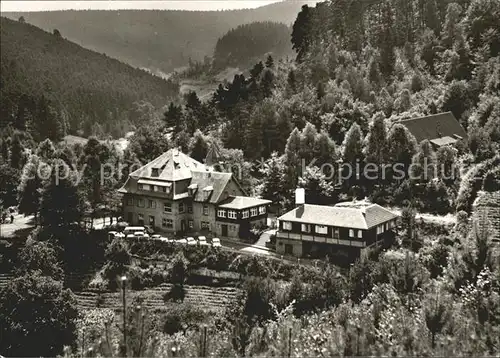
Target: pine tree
[(199, 146), (424, 163), (292, 82), (269, 62), (375, 147), (402, 147), (173, 117), (308, 142), (16, 152), (61, 204), (451, 28), (30, 187), (46, 150), (386, 40), (353, 146), (302, 32)]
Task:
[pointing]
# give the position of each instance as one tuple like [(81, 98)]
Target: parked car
[(202, 240), (141, 234), (191, 241), (133, 229), (216, 242), (165, 239), (181, 241), (112, 234), (156, 236)]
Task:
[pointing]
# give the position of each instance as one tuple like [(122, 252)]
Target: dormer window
[(155, 172), (207, 191), (192, 189)]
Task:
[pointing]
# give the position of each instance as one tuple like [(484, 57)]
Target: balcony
[(319, 239)]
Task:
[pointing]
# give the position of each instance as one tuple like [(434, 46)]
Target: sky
[(40, 5)]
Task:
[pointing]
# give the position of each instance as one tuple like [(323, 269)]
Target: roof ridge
[(427, 116)]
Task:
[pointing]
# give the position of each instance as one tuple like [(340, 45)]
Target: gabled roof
[(172, 165), (360, 217), (206, 179), (242, 202), (434, 126)]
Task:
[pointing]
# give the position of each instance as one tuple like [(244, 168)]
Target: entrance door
[(289, 249), (224, 229), (130, 218), (183, 225), (152, 222)]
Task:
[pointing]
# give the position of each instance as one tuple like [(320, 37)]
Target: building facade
[(346, 229), (177, 194)]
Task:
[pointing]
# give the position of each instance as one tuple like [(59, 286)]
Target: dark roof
[(217, 180), (361, 217), (172, 165), (434, 126), (242, 202)]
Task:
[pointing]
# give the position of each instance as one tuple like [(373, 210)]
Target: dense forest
[(152, 39), (360, 68), (51, 86), (240, 47)]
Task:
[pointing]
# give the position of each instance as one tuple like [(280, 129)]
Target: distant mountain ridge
[(47, 79), (155, 39)]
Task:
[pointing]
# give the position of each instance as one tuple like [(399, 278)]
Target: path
[(21, 227), (448, 219)]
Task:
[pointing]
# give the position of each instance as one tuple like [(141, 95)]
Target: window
[(231, 214), (351, 233), (392, 224), (336, 233), (168, 223), (153, 187), (246, 214), (130, 201), (205, 210), (254, 211), (287, 225), (152, 204), (205, 225), (360, 234), (221, 213), (140, 203), (191, 224), (140, 219), (167, 207), (262, 210), (145, 187), (306, 228), (152, 221), (380, 229), (190, 208), (320, 229), (181, 207)]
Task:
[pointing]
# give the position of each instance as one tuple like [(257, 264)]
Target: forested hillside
[(360, 68), (246, 43), (53, 86), (157, 40)]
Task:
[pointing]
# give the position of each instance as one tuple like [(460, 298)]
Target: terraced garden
[(487, 212), (204, 297)]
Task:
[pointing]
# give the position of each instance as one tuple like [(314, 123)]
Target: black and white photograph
[(250, 178)]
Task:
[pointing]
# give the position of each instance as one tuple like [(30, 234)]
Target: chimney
[(300, 199)]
